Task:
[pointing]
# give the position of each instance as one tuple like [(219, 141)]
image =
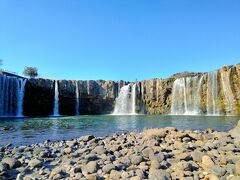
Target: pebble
[(165, 153)]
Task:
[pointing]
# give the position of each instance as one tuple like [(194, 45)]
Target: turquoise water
[(25, 131)]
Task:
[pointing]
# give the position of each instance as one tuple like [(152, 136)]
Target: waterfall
[(186, 96), (133, 99), (88, 87), (126, 101), (11, 95), (227, 90), (178, 97), (77, 99), (157, 89), (21, 92), (212, 94), (197, 105), (56, 100)]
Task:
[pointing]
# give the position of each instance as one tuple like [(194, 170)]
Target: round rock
[(136, 159)]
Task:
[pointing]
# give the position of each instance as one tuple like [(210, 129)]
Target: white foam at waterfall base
[(126, 101)]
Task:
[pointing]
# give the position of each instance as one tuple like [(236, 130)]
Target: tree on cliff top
[(31, 72)]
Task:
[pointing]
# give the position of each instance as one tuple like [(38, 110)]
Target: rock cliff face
[(38, 98), (95, 97), (213, 93)]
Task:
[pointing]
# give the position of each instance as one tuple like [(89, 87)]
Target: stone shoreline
[(156, 154)]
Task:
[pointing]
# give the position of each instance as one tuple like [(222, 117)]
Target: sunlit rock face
[(154, 96), (213, 93)]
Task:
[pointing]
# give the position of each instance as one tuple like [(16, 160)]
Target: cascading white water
[(186, 96), (178, 97), (125, 102), (56, 100), (77, 99), (21, 92), (122, 101), (157, 89), (227, 90), (133, 99), (11, 95), (88, 87), (212, 94), (197, 97)]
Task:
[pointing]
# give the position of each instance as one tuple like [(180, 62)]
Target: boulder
[(90, 167), (197, 155), (207, 162), (99, 150), (115, 175), (237, 167), (211, 177), (108, 168), (235, 132), (157, 174), (12, 162), (136, 159), (34, 163)]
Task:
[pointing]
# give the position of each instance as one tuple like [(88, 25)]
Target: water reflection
[(33, 130), (124, 122)]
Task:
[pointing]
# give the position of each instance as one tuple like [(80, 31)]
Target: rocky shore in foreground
[(156, 154)]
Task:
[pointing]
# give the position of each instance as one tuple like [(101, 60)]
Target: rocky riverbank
[(155, 154)]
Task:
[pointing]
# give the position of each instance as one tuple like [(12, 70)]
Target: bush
[(31, 72)]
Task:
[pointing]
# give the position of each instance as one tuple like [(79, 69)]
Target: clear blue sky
[(118, 39)]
